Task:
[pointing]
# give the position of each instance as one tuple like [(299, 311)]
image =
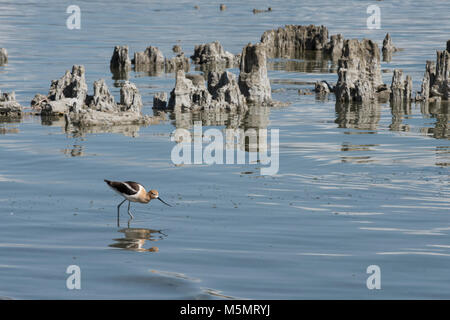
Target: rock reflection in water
[(185, 120), (244, 126), (443, 156), (256, 117), (359, 157), (120, 74), (362, 116), (440, 111), (130, 130), (400, 109), (307, 61), (135, 238), (53, 121), (7, 125), (75, 151), (215, 67), (148, 70), (357, 147)]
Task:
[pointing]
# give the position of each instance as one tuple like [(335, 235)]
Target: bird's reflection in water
[(135, 239)]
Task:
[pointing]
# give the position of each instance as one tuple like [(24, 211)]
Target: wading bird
[(133, 192)]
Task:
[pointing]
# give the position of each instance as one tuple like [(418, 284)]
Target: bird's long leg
[(118, 212), (129, 203)]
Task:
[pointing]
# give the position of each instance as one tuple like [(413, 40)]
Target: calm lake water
[(356, 186)]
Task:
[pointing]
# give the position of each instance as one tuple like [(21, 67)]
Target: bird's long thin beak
[(163, 202)]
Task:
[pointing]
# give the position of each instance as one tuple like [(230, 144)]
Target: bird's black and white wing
[(127, 188)]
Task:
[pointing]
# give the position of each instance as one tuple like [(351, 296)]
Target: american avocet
[(133, 192)]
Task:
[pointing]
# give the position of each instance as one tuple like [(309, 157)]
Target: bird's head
[(154, 194)]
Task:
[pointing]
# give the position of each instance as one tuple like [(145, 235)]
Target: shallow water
[(357, 185)]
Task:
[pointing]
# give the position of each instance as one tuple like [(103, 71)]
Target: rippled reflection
[(357, 147), (399, 110), (439, 111), (443, 156), (215, 67), (362, 116), (75, 151), (310, 62), (7, 125), (256, 117), (130, 130), (134, 239), (243, 126), (120, 74), (358, 156), (53, 121), (143, 70), (74, 131)]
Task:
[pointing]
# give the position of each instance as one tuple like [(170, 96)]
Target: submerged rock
[(120, 63), (388, 48), (38, 102), (180, 62), (3, 56), (225, 91), (191, 93), (104, 111), (323, 87), (130, 99), (359, 72), (160, 100), (334, 46), (102, 100), (87, 117), (255, 11), (213, 55), (60, 107), (292, 40), (441, 85), (436, 81), (400, 99), (68, 96), (428, 78), (176, 48), (70, 91), (9, 107), (400, 89), (253, 80), (120, 59), (71, 86), (152, 60)]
